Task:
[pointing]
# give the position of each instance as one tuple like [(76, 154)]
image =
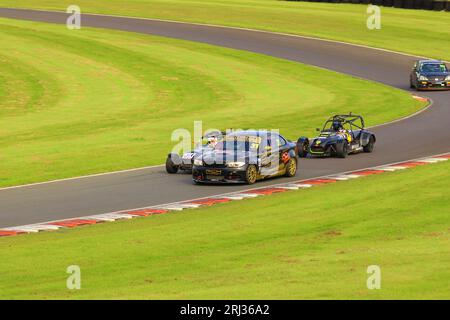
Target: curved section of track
[(422, 135)]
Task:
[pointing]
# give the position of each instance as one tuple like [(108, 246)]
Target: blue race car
[(340, 136)]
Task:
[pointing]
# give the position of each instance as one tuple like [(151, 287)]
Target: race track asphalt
[(422, 135)]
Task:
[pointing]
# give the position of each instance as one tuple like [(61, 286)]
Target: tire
[(342, 150), (302, 147), (171, 167), (369, 147), (251, 174), (291, 168), (411, 84)]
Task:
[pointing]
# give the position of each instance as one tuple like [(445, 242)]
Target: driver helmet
[(337, 126), (212, 141)]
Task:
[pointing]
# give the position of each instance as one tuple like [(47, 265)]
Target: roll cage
[(353, 122), (354, 125)]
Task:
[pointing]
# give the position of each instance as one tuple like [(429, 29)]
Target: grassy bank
[(305, 244), (89, 101)]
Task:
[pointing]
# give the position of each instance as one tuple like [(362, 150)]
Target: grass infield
[(89, 101)]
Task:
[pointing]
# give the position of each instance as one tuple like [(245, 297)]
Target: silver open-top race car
[(184, 162)]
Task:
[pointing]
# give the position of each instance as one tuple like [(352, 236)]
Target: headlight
[(198, 162), (235, 164), (447, 78), (423, 78)]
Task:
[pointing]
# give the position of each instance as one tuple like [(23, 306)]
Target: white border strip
[(162, 165), (82, 177), (184, 204)]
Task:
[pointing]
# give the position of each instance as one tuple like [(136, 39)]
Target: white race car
[(185, 162)]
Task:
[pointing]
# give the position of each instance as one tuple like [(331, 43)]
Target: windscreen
[(240, 143), (434, 67)]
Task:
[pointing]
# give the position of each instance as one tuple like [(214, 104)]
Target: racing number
[(254, 145)]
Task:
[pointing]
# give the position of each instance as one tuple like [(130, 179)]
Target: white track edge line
[(231, 193), (227, 27)]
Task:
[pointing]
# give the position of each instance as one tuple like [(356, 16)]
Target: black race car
[(430, 75), (245, 157), (175, 162), (340, 136)]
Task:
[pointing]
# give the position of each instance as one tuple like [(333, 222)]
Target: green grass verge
[(89, 101), (305, 244), (417, 32)]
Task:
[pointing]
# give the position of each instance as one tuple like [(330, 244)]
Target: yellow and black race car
[(245, 157), (340, 136)]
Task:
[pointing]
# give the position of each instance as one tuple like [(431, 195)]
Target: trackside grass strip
[(306, 244)]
